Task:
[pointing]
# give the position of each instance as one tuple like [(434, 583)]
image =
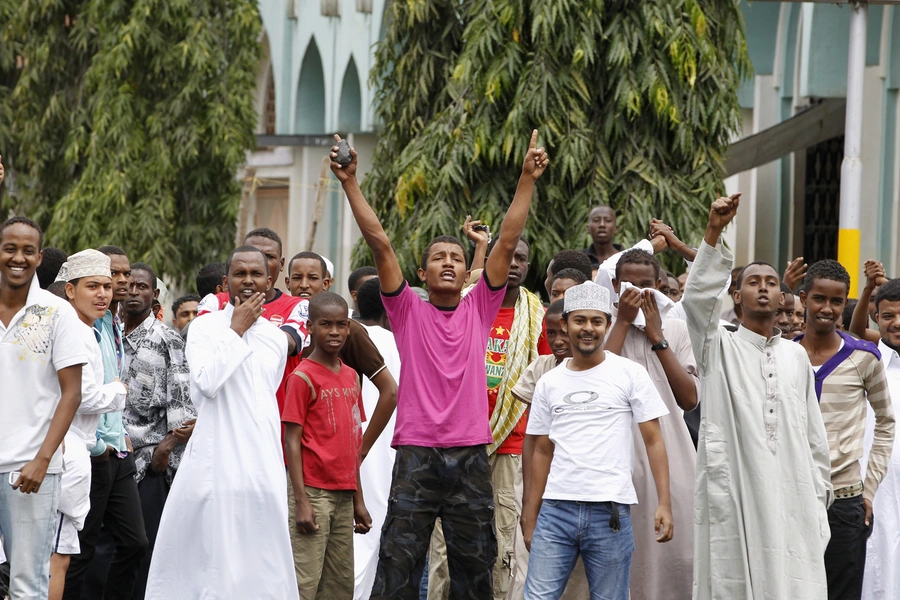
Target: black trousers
[(153, 490), (845, 556), (114, 504)]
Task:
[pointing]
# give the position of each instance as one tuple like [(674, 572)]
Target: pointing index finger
[(533, 143)]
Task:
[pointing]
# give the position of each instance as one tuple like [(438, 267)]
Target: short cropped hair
[(556, 308), (24, 221), (111, 251), (826, 269), (51, 263), (265, 232), (323, 299), (358, 275), (573, 274), (186, 298), (890, 291), (368, 297), (441, 239), (241, 250), (209, 277), (310, 256), (572, 259), (636, 256), (139, 266), (739, 280)]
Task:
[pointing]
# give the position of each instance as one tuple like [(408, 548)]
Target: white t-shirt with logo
[(42, 338), (589, 416)]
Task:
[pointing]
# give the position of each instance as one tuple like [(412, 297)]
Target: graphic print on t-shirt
[(495, 357)]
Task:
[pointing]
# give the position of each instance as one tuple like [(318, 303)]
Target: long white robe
[(375, 472), (224, 530), (663, 570), (763, 473), (882, 577)]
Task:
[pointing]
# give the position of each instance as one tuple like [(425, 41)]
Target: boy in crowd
[(88, 287), (322, 417), (41, 360), (848, 373), (307, 275), (581, 486)]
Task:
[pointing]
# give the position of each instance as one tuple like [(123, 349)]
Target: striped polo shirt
[(843, 384)]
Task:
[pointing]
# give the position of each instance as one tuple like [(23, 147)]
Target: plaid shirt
[(159, 398)]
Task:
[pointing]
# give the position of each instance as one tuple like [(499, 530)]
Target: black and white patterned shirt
[(159, 397)]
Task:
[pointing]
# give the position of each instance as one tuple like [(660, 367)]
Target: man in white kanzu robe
[(224, 531), (763, 472)]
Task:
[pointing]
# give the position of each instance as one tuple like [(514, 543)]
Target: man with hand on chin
[(763, 474), (580, 491), (224, 529)]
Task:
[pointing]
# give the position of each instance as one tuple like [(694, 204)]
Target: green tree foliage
[(125, 121), (635, 101)]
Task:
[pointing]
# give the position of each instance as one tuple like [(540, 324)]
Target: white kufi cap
[(587, 296), (87, 263)]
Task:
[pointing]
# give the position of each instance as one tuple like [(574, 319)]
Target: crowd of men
[(724, 433)]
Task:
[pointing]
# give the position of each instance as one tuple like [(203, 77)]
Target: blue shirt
[(111, 430)]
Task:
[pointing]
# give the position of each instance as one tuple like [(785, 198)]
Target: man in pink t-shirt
[(441, 468)]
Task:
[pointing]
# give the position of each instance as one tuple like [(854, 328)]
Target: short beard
[(588, 352)]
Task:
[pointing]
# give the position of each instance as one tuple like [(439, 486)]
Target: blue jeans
[(28, 523), (565, 529)]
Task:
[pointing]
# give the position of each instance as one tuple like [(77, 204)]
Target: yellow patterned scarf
[(521, 350)]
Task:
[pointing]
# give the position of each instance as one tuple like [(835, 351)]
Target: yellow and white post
[(852, 167)]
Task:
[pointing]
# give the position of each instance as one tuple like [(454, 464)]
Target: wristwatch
[(660, 346)]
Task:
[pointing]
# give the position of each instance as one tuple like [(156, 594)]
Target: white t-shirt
[(588, 416), (43, 338)]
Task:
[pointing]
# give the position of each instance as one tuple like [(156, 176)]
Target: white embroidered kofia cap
[(87, 263), (587, 296)]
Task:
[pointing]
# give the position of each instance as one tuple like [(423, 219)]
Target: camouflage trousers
[(455, 485)]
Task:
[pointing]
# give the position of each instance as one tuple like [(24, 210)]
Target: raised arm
[(386, 263), (497, 268), (658, 228), (708, 280), (859, 323)]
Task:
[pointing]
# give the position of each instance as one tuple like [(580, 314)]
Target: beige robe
[(663, 570), (763, 471)]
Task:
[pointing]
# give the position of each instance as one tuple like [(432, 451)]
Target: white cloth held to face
[(663, 304)]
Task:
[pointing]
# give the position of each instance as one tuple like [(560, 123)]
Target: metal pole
[(852, 167)]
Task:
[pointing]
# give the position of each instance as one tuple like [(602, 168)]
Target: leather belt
[(851, 491)]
